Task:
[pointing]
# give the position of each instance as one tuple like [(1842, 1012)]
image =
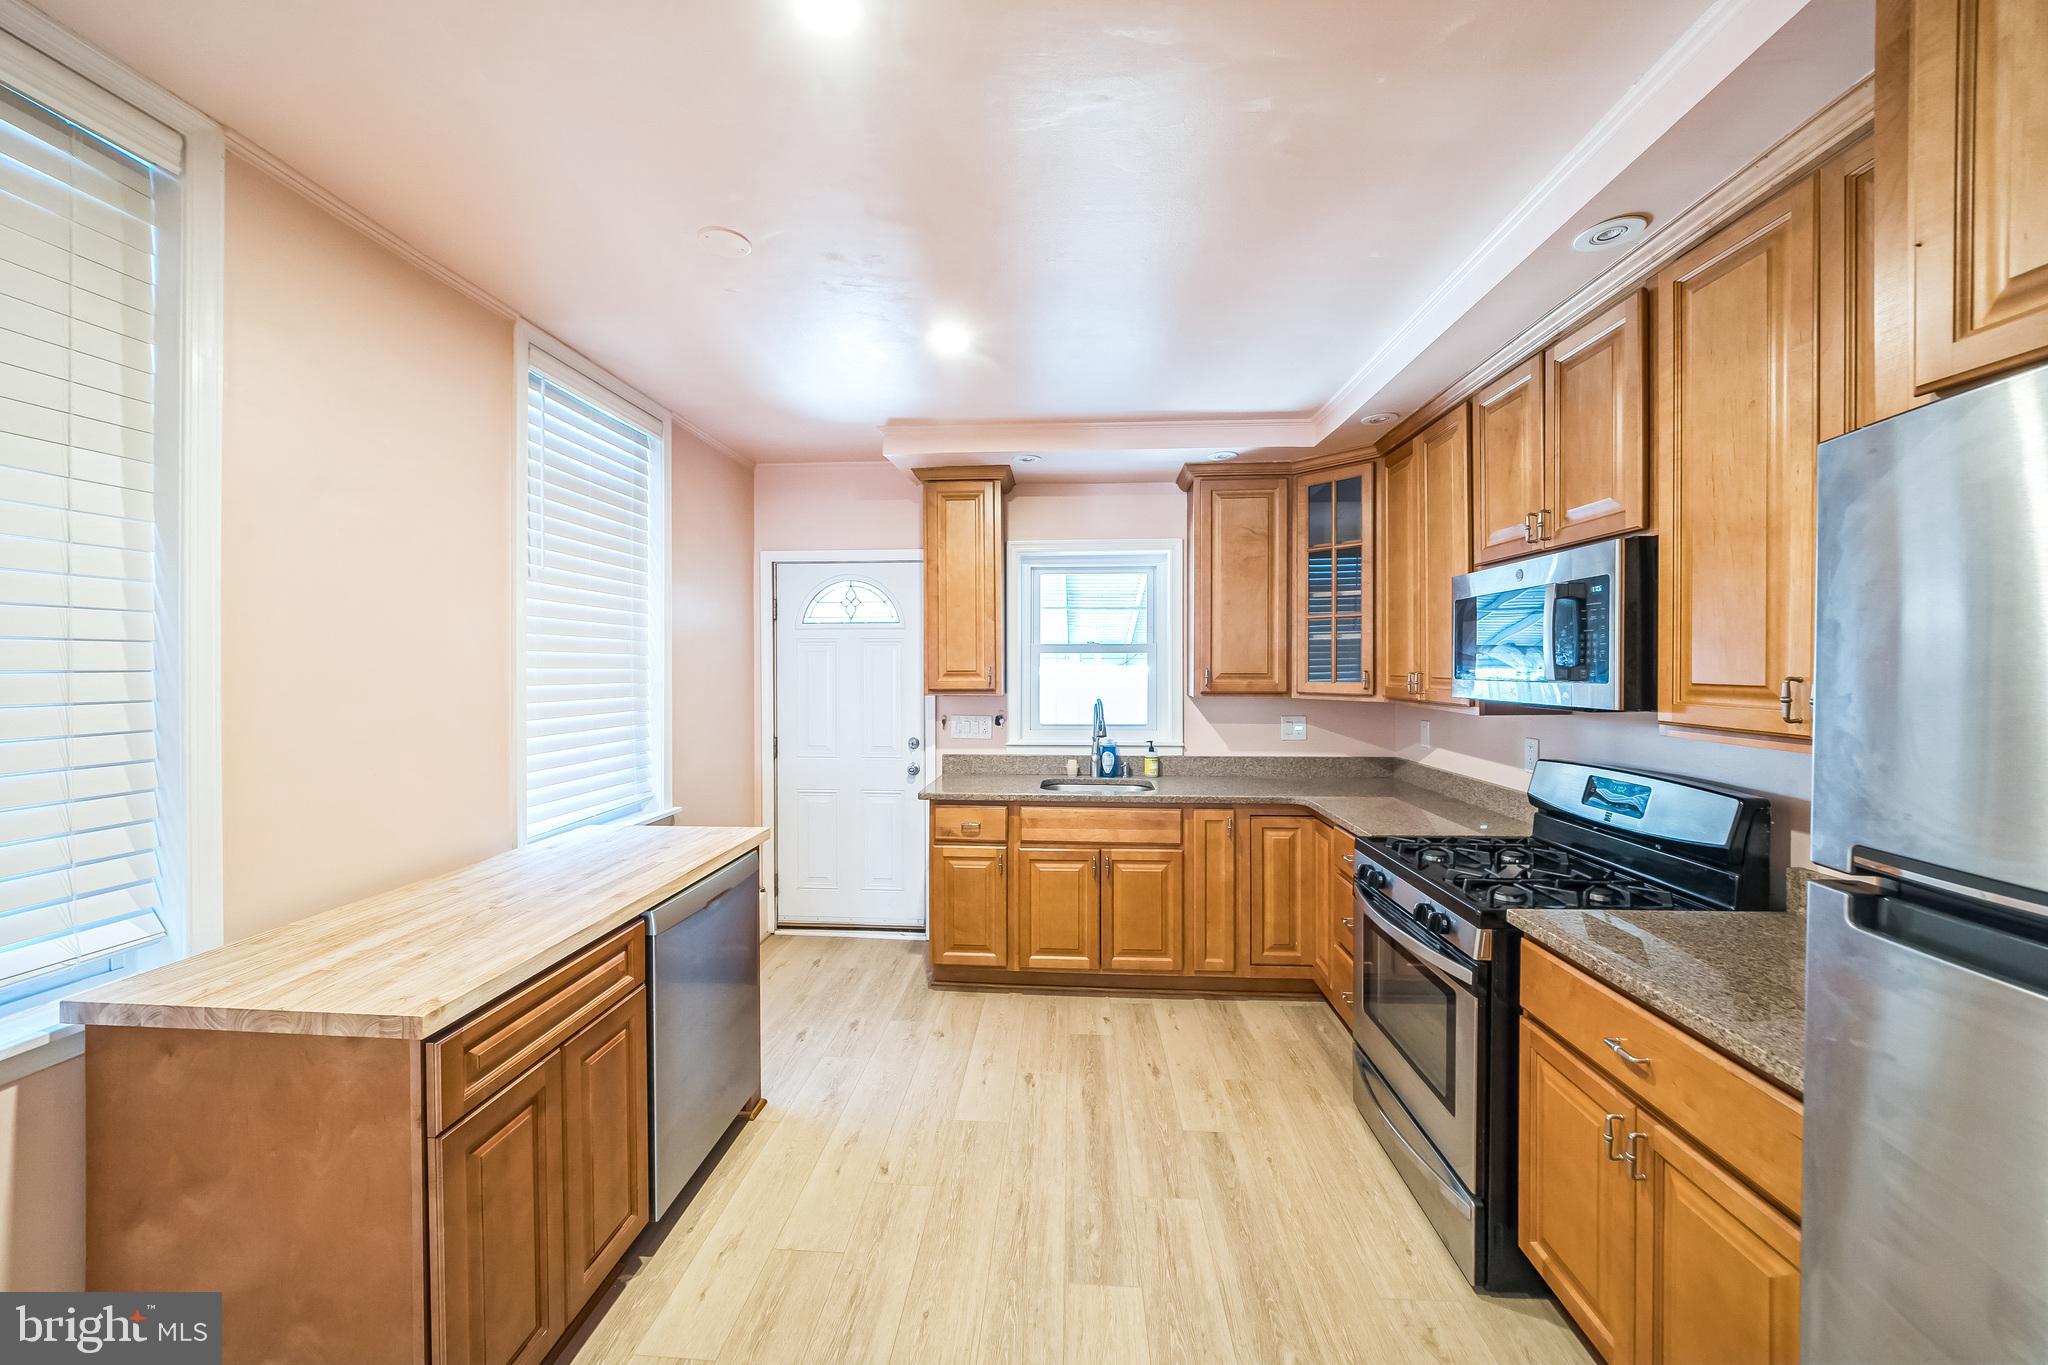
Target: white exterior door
[(850, 751)]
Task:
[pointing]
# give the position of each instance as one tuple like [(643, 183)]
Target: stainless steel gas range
[(1437, 982)]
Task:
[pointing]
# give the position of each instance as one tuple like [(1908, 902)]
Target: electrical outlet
[(971, 727), (1294, 727), (1425, 734), (1530, 753)]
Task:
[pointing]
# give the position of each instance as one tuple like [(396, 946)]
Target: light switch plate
[(1530, 753), (1294, 727), (1425, 734), (971, 727)]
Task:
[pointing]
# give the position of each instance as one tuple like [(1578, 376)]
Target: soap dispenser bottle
[(1107, 763)]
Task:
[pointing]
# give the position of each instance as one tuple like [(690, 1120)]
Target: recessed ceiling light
[(828, 18), (950, 338), (724, 241), (1027, 459), (1612, 233), (1377, 419), (1224, 455)]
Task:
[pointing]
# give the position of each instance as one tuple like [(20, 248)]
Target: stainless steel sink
[(1095, 786)]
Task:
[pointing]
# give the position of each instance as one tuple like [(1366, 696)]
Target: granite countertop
[(1735, 980), (1359, 805)]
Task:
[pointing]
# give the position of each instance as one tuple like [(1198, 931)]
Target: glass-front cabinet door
[(1333, 588)]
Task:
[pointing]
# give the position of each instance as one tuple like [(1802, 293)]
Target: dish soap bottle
[(1107, 765), (1151, 759)]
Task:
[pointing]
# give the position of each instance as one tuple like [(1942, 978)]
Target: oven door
[(1418, 1022)]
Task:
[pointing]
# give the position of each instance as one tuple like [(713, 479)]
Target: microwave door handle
[(1549, 632)]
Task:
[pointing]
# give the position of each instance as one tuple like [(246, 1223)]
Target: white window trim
[(1024, 732), (528, 344), (91, 88)]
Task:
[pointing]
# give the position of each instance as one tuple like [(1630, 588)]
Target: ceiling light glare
[(950, 339), (828, 18)]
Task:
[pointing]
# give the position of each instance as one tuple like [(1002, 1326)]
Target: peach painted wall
[(864, 506), (711, 615)]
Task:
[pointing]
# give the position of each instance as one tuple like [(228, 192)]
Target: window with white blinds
[(79, 552), (1095, 621), (594, 569)]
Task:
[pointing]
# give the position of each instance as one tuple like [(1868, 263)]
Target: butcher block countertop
[(410, 962)]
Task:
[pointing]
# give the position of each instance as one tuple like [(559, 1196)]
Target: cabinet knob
[(970, 826)]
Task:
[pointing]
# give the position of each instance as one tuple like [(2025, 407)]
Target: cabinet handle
[(970, 826), (1230, 826), (1785, 699), (1635, 1165), (1348, 923), (1365, 682), (1528, 528), (1350, 860), (1347, 997), (1543, 524), (1205, 677), (1614, 1045), (1607, 1136), (999, 863)]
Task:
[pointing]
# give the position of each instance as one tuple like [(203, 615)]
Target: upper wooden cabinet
[(1400, 614), (1333, 581), (1507, 463), (1846, 221), (963, 578), (1237, 546), (1596, 476), (1735, 436), (1425, 543), (1977, 183)]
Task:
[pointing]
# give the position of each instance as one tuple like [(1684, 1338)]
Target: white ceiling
[(1266, 213)]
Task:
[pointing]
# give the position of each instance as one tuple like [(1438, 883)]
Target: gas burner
[(1604, 896), (1510, 897), (1492, 873)]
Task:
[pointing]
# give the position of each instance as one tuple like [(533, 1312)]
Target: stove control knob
[(1439, 922), (1422, 912), (1376, 879)]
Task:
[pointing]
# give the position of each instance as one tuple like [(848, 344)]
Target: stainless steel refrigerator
[(1925, 1223)]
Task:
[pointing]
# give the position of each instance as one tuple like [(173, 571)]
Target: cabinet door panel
[(1578, 1204), (1059, 909), (1214, 932), (969, 918), (604, 1145), (1978, 171), (963, 574), (1142, 910), (1507, 462), (1444, 547), (1717, 1269), (1285, 891), (1334, 590), (1736, 433), (1239, 536), (1401, 569), (495, 1230), (1597, 470)]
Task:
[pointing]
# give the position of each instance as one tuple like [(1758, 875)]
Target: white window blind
[(592, 728), (79, 878)]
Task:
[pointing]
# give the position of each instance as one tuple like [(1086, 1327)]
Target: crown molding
[(292, 179), (1709, 52), (912, 440)]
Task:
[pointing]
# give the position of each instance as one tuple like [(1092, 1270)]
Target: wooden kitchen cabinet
[(1596, 461), (1577, 1213), (1507, 463), (1286, 888), (1340, 946), (1977, 183), (1735, 437), (1425, 543), (1717, 1268), (969, 921), (1401, 608), (963, 577), (1059, 909), (1213, 927), (1846, 225), (495, 1230), (1142, 910), (1238, 574), (1333, 593), (606, 1195)]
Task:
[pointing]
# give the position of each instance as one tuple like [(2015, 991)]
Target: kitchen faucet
[(1095, 742)]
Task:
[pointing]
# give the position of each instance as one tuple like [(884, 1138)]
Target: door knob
[(915, 770), (915, 743)]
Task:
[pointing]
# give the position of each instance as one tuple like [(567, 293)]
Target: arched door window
[(850, 602)]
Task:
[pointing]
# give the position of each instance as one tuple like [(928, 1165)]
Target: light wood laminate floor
[(954, 1175)]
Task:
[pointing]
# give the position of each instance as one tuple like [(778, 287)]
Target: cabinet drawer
[(468, 1063), (1343, 983), (970, 824), (1343, 852), (1159, 825), (1745, 1120)]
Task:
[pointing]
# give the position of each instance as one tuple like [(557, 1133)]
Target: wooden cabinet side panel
[(1059, 905), (605, 1135), (1507, 462), (1717, 1269), (969, 921), (1578, 1206), (1142, 910), (1736, 434), (1444, 547), (285, 1171), (1597, 444), (1401, 573), (1212, 928)]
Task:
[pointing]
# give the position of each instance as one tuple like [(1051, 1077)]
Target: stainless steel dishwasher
[(704, 1049)]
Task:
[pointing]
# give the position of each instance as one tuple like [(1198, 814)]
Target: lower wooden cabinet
[(1286, 889), (1059, 915), (969, 913), (1212, 921), (1142, 910), (606, 1199), (1662, 1247), (495, 1211)]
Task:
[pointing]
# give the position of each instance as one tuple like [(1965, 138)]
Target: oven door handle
[(1423, 953)]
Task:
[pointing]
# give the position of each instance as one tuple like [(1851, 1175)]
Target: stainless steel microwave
[(1571, 629)]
